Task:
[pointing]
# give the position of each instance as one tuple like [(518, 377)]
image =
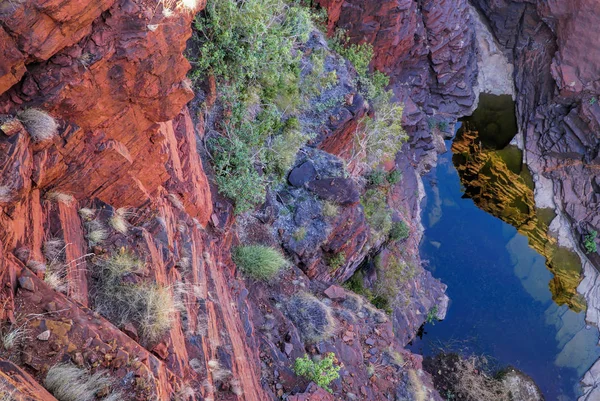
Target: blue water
[(501, 305)]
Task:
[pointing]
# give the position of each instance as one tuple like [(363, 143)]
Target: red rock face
[(110, 88)]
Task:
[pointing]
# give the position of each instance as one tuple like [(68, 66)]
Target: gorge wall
[(121, 178), (129, 146)]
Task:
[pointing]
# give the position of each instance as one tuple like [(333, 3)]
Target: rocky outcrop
[(94, 73), (428, 48)]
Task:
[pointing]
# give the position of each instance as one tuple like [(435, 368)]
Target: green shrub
[(377, 212), (322, 372), (372, 85), (336, 261), (391, 278), (432, 315), (394, 177), (284, 147), (356, 285), (259, 261), (312, 317), (376, 177), (399, 231), (590, 242), (249, 47)]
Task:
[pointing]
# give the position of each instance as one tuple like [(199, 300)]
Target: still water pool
[(501, 303)]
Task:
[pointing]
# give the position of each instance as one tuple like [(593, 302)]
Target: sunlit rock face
[(493, 175)]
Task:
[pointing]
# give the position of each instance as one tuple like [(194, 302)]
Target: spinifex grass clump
[(124, 297), (312, 317), (259, 261), (70, 383)]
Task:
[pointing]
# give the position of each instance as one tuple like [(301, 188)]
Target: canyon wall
[(113, 166), (557, 61)]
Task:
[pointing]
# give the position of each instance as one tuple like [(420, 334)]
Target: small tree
[(322, 372)]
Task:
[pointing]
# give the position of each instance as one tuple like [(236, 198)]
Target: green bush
[(250, 47), (377, 213), (376, 177), (322, 372), (391, 278), (259, 261), (394, 177), (590, 242), (372, 85), (399, 231), (336, 261), (432, 315)]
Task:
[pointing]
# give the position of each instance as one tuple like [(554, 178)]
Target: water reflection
[(493, 175), (497, 275)]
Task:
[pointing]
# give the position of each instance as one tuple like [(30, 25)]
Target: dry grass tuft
[(330, 209), (61, 197), (184, 394), (96, 232), (13, 337), (176, 201), (53, 248), (69, 383), (6, 394), (118, 220), (36, 266), (86, 213), (312, 317), (150, 307), (465, 377), (40, 125), (57, 279), (217, 371)]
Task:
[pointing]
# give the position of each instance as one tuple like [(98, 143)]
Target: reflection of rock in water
[(498, 184)]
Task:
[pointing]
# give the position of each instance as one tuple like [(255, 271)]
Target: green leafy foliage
[(589, 242), (336, 261), (322, 372), (399, 231), (394, 177), (391, 277), (372, 85), (432, 315), (377, 212), (250, 47), (259, 261), (376, 177)]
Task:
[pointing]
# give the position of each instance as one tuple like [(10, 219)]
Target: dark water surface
[(501, 304)]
